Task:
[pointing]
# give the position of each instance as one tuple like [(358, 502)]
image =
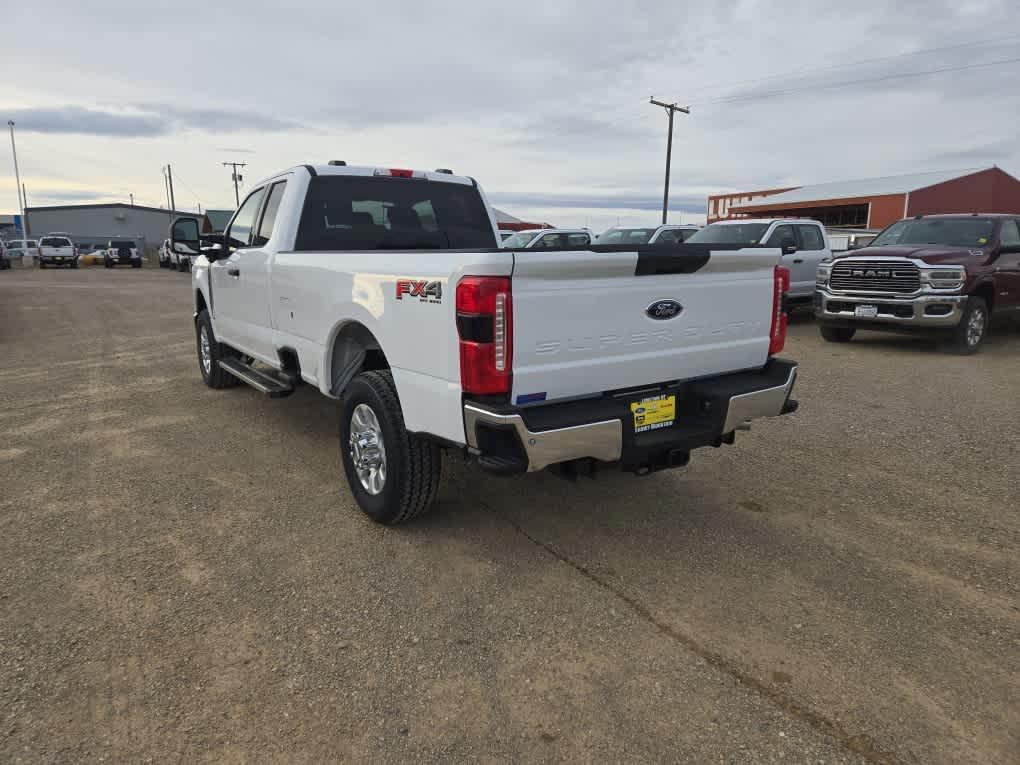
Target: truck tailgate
[(581, 322)]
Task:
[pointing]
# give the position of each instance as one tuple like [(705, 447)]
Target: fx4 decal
[(425, 291)]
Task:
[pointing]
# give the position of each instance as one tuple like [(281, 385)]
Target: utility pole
[(236, 178), (17, 180), (166, 188), (24, 221), (671, 109), (170, 182), (132, 199)]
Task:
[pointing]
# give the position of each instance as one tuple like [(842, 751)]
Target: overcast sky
[(545, 103)]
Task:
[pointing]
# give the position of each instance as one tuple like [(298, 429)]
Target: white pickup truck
[(387, 289)]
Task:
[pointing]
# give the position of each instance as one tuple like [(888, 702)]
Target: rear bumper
[(920, 311), (708, 411)]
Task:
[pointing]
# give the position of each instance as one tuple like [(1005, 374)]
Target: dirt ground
[(183, 575)]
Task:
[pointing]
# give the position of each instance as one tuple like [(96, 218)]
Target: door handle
[(234, 272), (798, 260)]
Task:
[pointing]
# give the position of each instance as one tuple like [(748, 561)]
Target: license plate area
[(653, 413), (866, 311)]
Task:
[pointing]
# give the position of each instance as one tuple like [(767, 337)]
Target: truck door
[(231, 275), (1007, 269), (811, 250), (802, 283)]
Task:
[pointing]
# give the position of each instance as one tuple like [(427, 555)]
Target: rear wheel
[(837, 334), (970, 333), (393, 475), (209, 354)]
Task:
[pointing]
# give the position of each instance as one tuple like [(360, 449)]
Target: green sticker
[(983, 240)]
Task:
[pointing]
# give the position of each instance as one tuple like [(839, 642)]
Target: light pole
[(671, 109), (17, 178)]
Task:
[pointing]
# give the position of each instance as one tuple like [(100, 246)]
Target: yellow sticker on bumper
[(653, 413)]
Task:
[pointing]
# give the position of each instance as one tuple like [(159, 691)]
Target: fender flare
[(348, 351)]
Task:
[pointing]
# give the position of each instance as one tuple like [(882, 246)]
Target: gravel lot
[(184, 577)]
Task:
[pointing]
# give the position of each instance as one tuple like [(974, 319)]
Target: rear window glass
[(357, 213), (55, 241), (729, 233), (122, 243), (626, 236)]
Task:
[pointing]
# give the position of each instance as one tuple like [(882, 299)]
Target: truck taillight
[(780, 286), (485, 329)]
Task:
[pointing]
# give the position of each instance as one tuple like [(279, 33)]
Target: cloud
[(141, 121), (77, 120)]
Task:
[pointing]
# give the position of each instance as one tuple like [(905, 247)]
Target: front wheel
[(970, 333), (393, 475), (837, 334), (209, 354)]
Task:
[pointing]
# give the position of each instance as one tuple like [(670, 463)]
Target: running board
[(270, 384)]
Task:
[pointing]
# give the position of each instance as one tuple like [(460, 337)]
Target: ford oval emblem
[(664, 309)]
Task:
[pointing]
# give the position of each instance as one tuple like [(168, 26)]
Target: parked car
[(665, 234), (549, 239), (164, 254), (181, 261), (122, 252), (385, 288), (22, 248), (95, 257), (5, 262), (57, 250), (804, 244), (941, 275)]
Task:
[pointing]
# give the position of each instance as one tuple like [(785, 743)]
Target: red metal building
[(874, 203)]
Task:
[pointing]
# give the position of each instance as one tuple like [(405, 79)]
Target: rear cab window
[(343, 212), (55, 241)]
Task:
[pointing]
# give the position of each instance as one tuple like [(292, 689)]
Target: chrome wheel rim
[(367, 450), (975, 327), (204, 351)]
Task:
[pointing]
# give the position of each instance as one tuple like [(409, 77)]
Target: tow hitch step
[(272, 385)]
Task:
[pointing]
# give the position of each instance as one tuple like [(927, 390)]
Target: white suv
[(665, 234), (548, 239)]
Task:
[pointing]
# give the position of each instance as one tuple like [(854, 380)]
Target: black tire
[(968, 336), (213, 374), (42, 264), (837, 334), (180, 266), (412, 465), (136, 265), (74, 263)]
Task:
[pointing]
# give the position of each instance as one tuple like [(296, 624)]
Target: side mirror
[(184, 236)]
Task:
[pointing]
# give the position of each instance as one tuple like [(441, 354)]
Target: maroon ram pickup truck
[(941, 274)]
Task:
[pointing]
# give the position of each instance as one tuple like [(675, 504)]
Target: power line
[(847, 83), (809, 70)]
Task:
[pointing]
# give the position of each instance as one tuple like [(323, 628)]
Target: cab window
[(811, 238), (265, 231), (578, 240), (1010, 234), (239, 232), (782, 235)]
